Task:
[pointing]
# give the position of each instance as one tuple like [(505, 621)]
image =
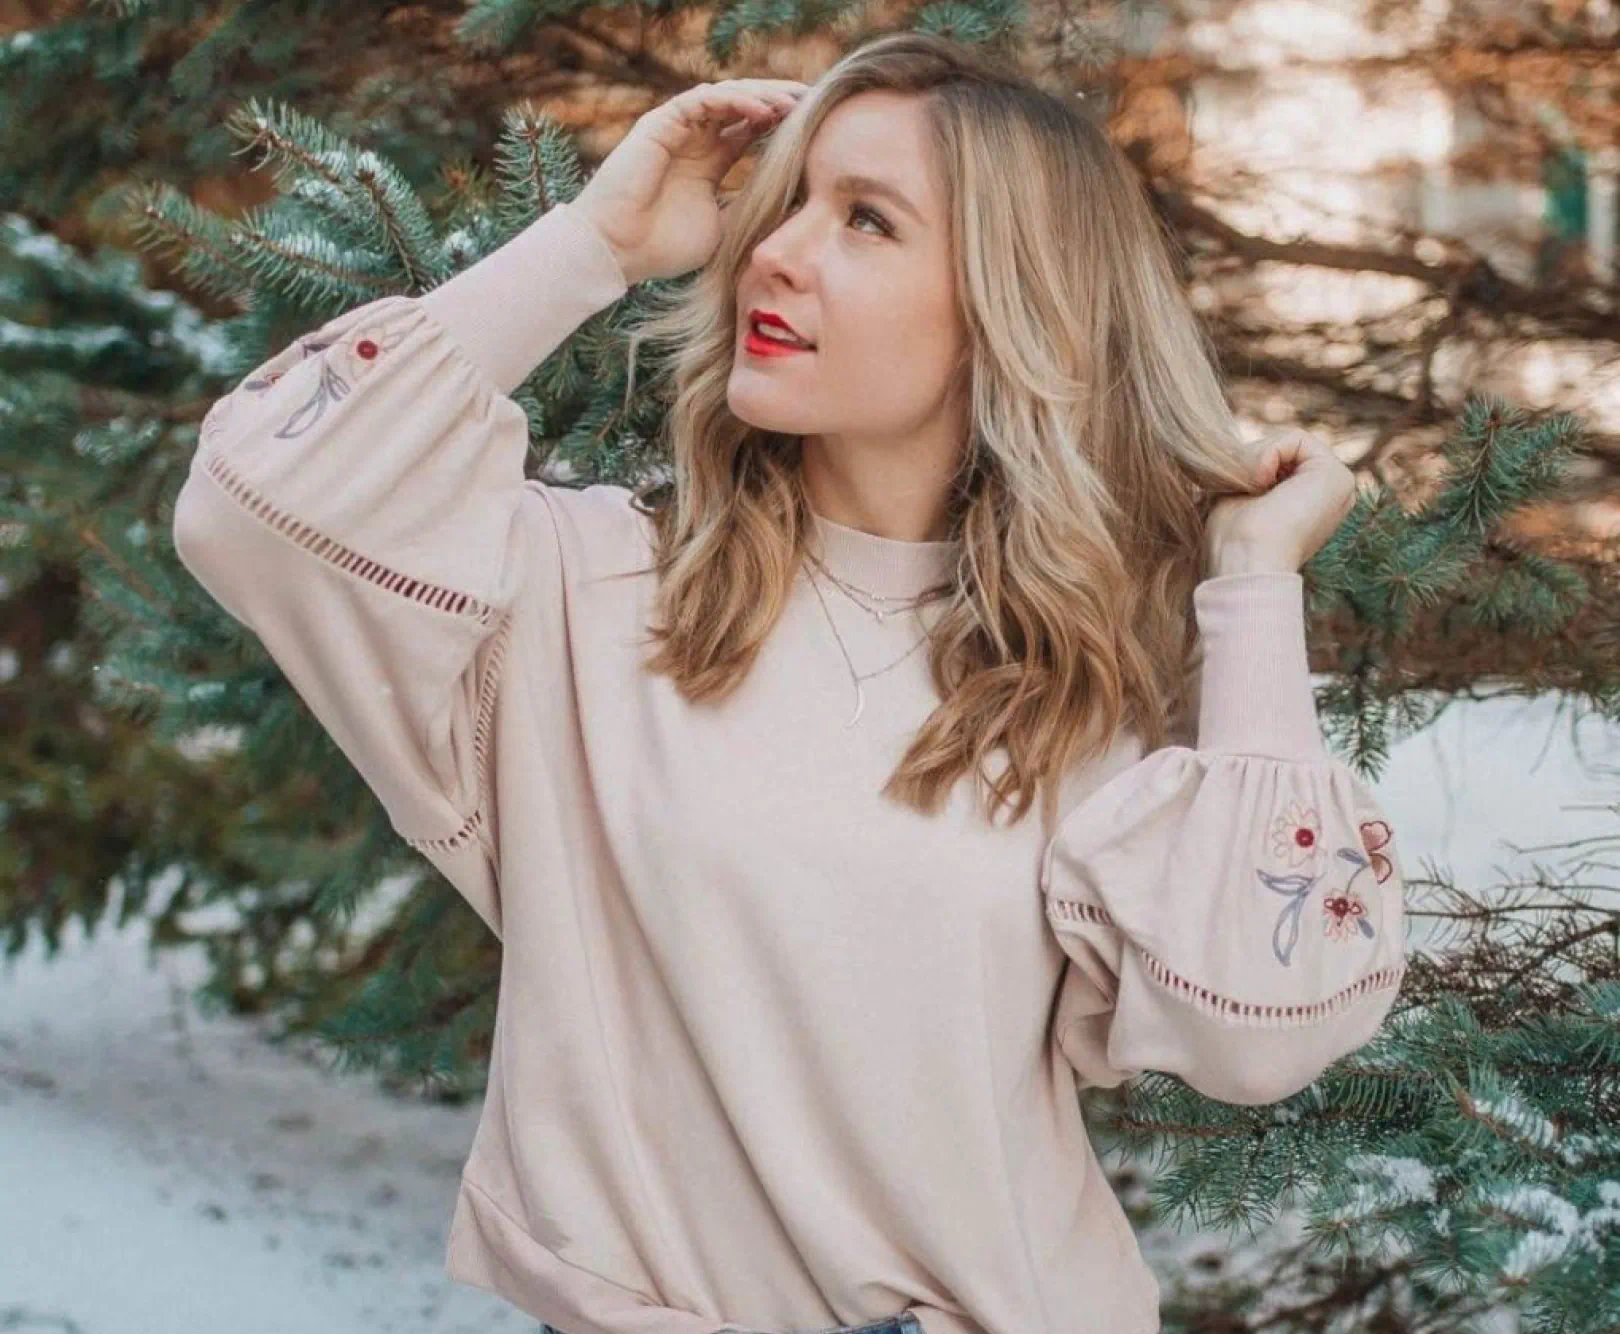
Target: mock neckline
[(883, 564)]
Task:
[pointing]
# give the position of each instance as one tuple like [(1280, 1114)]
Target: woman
[(790, 1023)]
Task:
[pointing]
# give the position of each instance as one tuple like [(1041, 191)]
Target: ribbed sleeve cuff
[(1256, 682), (514, 307)]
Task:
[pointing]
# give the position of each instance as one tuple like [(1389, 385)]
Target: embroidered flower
[(1375, 834), (1342, 912), (1295, 838), (1296, 834), (358, 353), (343, 362), (263, 383)]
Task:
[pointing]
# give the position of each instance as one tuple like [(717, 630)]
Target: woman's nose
[(782, 250)]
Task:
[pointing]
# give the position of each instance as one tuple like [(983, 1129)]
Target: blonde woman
[(798, 985)]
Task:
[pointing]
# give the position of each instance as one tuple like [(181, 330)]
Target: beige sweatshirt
[(772, 1053)]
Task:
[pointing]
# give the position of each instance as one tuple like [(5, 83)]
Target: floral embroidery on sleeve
[(1296, 838), (355, 355), (1339, 911), (1375, 834), (1296, 834)]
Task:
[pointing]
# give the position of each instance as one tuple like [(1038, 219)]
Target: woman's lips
[(764, 347)]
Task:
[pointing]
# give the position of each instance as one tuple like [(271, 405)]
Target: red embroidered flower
[(1296, 834), (1375, 834), (1343, 912), (358, 354)]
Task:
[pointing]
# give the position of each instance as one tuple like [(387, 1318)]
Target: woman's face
[(867, 280)]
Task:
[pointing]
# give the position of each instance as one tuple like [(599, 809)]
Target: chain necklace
[(879, 614), (858, 678)]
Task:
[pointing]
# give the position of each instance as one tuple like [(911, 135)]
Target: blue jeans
[(904, 1323)]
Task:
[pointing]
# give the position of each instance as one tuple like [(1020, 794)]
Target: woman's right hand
[(655, 197)]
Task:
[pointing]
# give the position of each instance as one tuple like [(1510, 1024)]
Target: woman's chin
[(753, 410)]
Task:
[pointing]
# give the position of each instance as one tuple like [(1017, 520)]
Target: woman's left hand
[(1308, 494)]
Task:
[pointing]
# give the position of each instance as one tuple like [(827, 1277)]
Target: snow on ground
[(166, 1174), (163, 1173)]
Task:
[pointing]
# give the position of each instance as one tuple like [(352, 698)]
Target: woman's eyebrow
[(853, 183)]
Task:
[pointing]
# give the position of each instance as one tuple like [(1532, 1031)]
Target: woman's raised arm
[(359, 502)]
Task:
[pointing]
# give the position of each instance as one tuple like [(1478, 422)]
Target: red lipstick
[(766, 347)]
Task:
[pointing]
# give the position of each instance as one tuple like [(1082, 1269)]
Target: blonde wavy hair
[(1099, 436)]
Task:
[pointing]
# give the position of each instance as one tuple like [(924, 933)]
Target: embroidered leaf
[(1290, 917), (1296, 887), (331, 388), (1287, 884)]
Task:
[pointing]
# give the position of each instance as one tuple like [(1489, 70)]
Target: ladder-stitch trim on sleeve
[(1224, 1007), (472, 826), (476, 824), (344, 558)]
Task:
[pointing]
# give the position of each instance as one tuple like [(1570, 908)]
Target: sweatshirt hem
[(542, 1284), (489, 1249)]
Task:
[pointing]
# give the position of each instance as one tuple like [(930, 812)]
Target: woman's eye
[(861, 209), (856, 211)]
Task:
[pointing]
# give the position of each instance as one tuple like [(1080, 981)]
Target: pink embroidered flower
[(358, 354), (1376, 834), (1296, 834), (1343, 913)]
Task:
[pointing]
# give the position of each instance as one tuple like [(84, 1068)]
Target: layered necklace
[(864, 599)]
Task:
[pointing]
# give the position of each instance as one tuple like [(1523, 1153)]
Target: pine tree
[(1462, 1159)]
